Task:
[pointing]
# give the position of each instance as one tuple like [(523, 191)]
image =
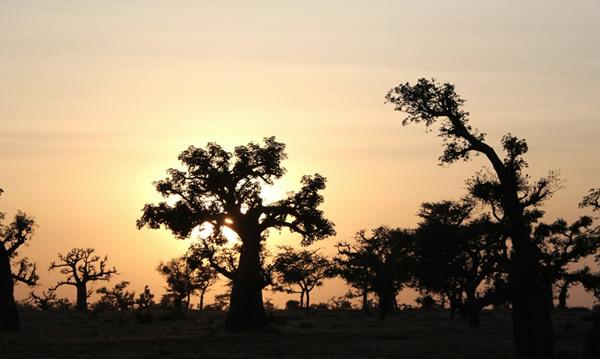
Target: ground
[(292, 334)]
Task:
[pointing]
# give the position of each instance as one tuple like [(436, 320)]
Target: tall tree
[(460, 256), (223, 189), (82, 266), (13, 269), (304, 269), (384, 257), (431, 103)]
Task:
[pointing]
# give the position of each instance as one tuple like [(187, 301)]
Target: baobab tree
[(13, 269), (223, 189), (82, 266), (305, 269), (432, 103)]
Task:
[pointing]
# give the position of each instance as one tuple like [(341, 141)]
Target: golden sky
[(97, 99)]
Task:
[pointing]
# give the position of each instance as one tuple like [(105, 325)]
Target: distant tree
[(12, 268), (185, 278), (385, 256), (300, 271), (82, 266), (591, 282), (117, 297), (562, 245), (45, 301), (461, 256), (432, 103), (221, 302), (205, 275), (145, 299), (223, 189)]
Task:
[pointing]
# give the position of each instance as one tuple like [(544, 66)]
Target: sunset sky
[(97, 99)]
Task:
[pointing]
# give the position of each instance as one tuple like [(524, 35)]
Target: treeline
[(491, 247)]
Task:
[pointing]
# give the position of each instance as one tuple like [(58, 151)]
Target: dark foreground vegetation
[(319, 333)]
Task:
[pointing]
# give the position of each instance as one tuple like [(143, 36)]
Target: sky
[(97, 99)]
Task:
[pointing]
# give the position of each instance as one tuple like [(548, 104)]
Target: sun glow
[(206, 230)]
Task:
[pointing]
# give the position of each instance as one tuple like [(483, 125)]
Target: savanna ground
[(291, 334)]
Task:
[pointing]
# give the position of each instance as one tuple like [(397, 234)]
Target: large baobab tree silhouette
[(305, 269), (223, 189), (12, 268), (82, 266), (432, 103), (383, 259)]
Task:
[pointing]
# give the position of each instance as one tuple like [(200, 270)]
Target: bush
[(292, 305)]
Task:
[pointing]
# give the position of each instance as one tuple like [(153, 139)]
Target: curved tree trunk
[(246, 310), (201, 304), (307, 300), (82, 296), (9, 315), (562, 296), (302, 299)]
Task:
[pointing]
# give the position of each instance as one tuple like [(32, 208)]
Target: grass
[(291, 334)]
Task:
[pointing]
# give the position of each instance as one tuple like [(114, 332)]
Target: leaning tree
[(12, 268), (82, 266), (300, 271), (223, 189), (432, 103)]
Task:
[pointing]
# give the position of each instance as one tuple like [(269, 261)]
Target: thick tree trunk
[(307, 300), (532, 327), (386, 302), (9, 315), (562, 296), (246, 310), (473, 309), (82, 296)]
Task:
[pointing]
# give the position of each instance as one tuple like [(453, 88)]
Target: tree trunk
[(365, 301), (386, 305), (302, 299), (562, 296), (82, 296), (9, 315), (307, 299), (201, 304), (592, 345), (246, 310), (473, 309), (532, 327)]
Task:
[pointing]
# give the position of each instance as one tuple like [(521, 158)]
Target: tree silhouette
[(145, 299), (223, 189), (305, 269), (12, 268), (185, 278), (460, 256), (82, 266), (117, 297), (44, 301), (431, 103), (383, 259), (563, 245), (591, 281)]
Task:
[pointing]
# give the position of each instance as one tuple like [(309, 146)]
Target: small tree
[(186, 278), (384, 257), (460, 256), (562, 245), (82, 266), (145, 299), (223, 189), (117, 297), (45, 301), (12, 268), (303, 269)]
